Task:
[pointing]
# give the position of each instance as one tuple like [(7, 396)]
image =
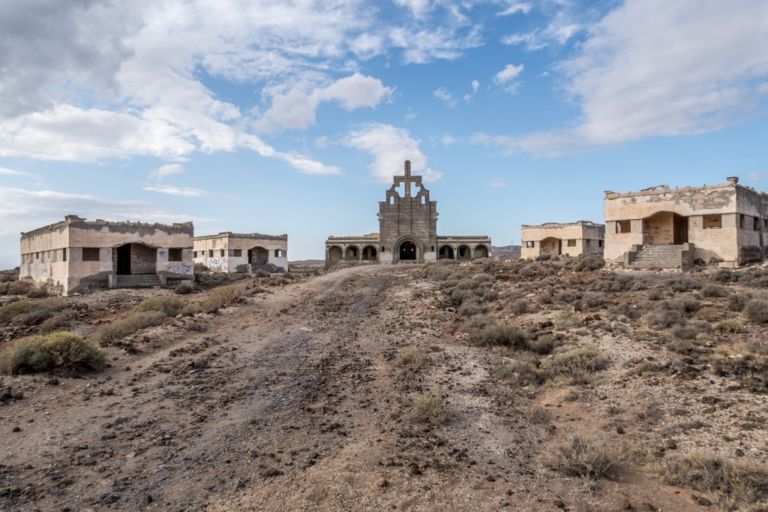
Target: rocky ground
[(375, 388)]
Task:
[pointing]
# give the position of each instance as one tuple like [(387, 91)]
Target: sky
[(293, 116)]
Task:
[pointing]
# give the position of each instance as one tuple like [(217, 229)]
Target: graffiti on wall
[(179, 267), (218, 263)]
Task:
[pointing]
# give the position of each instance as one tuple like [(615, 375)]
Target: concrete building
[(554, 239), (237, 252), (75, 254), (662, 227), (407, 232)]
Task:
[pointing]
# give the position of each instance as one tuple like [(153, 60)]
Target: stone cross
[(407, 179)]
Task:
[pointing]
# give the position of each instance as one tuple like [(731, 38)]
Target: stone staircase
[(658, 257), (138, 281)]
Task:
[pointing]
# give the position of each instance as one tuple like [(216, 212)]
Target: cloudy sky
[(292, 116)]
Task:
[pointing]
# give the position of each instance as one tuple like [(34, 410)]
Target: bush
[(714, 291), (123, 327), (221, 297), (739, 481), (55, 351), (169, 306), (184, 289), (664, 318), (29, 312), (16, 288), (542, 345), (412, 356), (738, 302), (520, 307), (575, 365), (520, 373), (37, 293), (500, 334), (428, 408), (730, 327), (757, 311), (584, 457), (589, 263), (55, 323), (199, 268)]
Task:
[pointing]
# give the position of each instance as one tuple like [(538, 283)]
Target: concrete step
[(138, 281)]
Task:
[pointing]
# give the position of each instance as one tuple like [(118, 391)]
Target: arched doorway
[(445, 253), (135, 259), (665, 228), (258, 255), (407, 251), (335, 253), (481, 251), (465, 253), (351, 253), (369, 253), (551, 247)]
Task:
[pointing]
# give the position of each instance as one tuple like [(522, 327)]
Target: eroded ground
[(366, 389)]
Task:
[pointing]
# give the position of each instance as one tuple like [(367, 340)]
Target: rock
[(701, 500), (620, 430), (625, 504), (16, 429), (739, 452), (53, 382), (560, 504)]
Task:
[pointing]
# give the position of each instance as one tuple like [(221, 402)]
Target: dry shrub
[(520, 307), (542, 345), (664, 318), (184, 289), (747, 361), (166, 304), (472, 308), (740, 482), (428, 408), (56, 351), (714, 291), (118, 329), (730, 326), (588, 263), (575, 365), (55, 323), (520, 373), (16, 287), (500, 334), (29, 312), (757, 311), (585, 457), (37, 293), (221, 297), (738, 302), (413, 356), (565, 320)]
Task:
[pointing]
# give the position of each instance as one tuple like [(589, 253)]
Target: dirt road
[(297, 400)]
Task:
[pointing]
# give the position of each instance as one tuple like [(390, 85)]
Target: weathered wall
[(42, 257), (224, 247), (413, 218), (585, 235)]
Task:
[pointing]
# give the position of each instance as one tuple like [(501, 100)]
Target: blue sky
[(292, 117)]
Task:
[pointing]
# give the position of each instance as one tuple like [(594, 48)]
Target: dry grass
[(29, 312), (428, 408), (576, 365), (585, 457), (757, 311), (412, 356), (500, 334), (221, 297), (166, 304), (734, 482), (56, 351), (118, 329)]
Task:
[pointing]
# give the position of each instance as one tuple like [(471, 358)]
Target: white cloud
[(507, 77), (390, 147), (565, 19), (417, 7), (442, 94), (652, 68), (514, 7), (176, 191), (475, 86), (12, 172), (166, 170), (296, 108), (497, 183)]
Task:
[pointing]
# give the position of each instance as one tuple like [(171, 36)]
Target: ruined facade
[(237, 252), (553, 239), (673, 228), (76, 254), (407, 232)]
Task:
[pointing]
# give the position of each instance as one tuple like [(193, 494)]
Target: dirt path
[(295, 401)]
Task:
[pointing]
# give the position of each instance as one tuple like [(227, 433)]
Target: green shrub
[(584, 457), (29, 312), (166, 304), (757, 311), (55, 351), (118, 329)]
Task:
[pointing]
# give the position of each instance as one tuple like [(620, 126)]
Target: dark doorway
[(258, 255), (369, 253), (408, 251), (680, 233), (124, 260), (465, 253), (446, 253)]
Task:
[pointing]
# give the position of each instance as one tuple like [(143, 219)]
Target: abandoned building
[(555, 239), (662, 227), (407, 232), (237, 252), (75, 254)]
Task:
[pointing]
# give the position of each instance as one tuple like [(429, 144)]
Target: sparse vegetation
[(585, 457), (166, 304), (62, 351), (576, 365), (757, 311), (29, 312), (118, 329), (184, 289), (428, 408), (221, 297), (500, 334), (413, 356)]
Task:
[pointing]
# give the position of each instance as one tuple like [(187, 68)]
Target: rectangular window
[(741, 220), (571, 243), (210, 253), (237, 253), (64, 255), (37, 255), (174, 254), (756, 224), (530, 244), (713, 221), (600, 243), (90, 254), (221, 253), (623, 226)]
